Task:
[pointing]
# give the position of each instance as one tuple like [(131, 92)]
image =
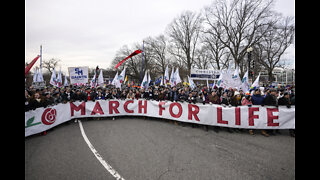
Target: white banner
[(255, 117), (78, 75)]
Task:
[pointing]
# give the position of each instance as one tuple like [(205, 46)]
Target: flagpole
[(95, 77), (41, 57), (142, 61)]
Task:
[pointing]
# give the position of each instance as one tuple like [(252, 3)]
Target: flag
[(191, 83), (35, 75), (172, 78), (255, 84), (244, 83), (66, 83), (166, 76), (144, 83), (59, 79), (220, 80), (114, 79), (131, 55), (100, 79), (149, 79), (122, 75), (118, 83), (40, 76), (161, 82), (177, 77), (236, 78), (29, 66), (93, 80), (126, 79), (53, 79)]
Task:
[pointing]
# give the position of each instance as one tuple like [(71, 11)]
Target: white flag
[(118, 83), (100, 78), (53, 79), (66, 83), (255, 84), (114, 79), (122, 75), (177, 77), (35, 75), (40, 76), (166, 76)]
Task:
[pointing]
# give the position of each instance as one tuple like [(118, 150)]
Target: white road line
[(112, 171)]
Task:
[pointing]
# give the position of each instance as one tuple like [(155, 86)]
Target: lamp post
[(249, 50)]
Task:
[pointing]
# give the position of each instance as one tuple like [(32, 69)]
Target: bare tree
[(50, 64), (184, 33), (243, 23), (202, 58), (274, 44), (158, 50), (219, 53)]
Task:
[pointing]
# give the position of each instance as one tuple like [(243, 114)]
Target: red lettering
[(113, 106), (81, 107), (193, 113), (271, 117), (161, 108), (252, 116), (143, 106), (97, 109), (179, 107), (238, 118), (125, 106), (219, 118)]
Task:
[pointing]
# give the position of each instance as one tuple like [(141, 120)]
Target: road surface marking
[(112, 171)]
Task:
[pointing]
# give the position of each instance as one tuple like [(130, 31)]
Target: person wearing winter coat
[(48, 100), (236, 99), (285, 101), (213, 98), (36, 101), (256, 98), (246, 100), (271, 98), (225, 99)]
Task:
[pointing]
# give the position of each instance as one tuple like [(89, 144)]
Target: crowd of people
[(271, 96)]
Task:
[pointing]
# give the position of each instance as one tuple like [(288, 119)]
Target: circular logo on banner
[(49, 116)]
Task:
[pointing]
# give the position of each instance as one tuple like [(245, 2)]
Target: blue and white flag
[(53, 79), (245, 83), (191, 83), (144, 83), (172, 78)]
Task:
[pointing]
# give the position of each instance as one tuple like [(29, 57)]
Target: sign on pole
[(78, 75)]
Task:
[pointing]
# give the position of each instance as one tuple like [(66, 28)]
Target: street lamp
[(249, 50)]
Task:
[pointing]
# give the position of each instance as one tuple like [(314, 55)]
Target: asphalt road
[(139, 148)]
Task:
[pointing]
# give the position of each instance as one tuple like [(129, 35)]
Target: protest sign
[(78, 75)]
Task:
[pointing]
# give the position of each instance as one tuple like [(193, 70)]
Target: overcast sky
[(89, 32)]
